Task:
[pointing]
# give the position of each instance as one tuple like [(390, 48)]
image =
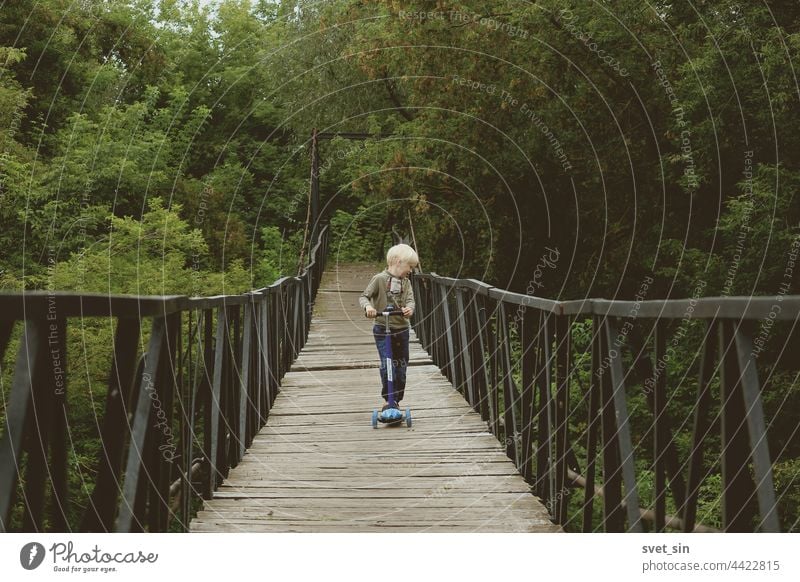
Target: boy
[(392, 287)]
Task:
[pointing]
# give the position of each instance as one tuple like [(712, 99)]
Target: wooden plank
[(522, 502)]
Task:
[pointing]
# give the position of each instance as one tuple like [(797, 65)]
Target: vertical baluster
[(528, 335), (257, 359), (302, 308), (545, 455), (473, 355), (482, 371), (254, 367), (762, 466), (244, 383), (621, 427), (494, 368), (438, 330), (509, 391), (613, 516), (39, 424), (737, 485), (563, 348), (447, 331), (595, 389), (206, 397), (297, 308), (133, 503), (191, 392), (660, 440), (164, 448), (99, 515), (233, 410), (214, 411), (700, 429), (429, 316), (277, 335), (464, 344), (287, 316), (17, 413), (453, 350), (58, 458), (283, 327), (267, 351), (421, 322)]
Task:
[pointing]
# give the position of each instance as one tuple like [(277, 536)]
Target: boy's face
[(403, 269)]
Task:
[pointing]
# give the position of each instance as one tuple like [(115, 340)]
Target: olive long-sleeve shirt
[(381, 292)]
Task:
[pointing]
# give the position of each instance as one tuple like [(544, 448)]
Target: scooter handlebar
[(389, 310)]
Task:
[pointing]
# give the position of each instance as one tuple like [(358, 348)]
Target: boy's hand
[(407, 312), (370, 312)]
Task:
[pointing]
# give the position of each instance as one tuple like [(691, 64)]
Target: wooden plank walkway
[(319, 466)]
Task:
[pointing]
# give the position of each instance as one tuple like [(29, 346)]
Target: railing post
[(737, 486), (545, 474), (660, 440), (438, 340), (509, 390), (467, 347), (231, 396), (482, 370), (189, 395), (215, 406), (243, 436), (99, 515), (700, 429), (33, 410), (595, 398), (562, 414), (458, 345), (132, 508), (314, 185), (164, 447), (447, 331), (759, 450), (621, 427), (528, 333), (494, 369), (421, 323), (269, 349)]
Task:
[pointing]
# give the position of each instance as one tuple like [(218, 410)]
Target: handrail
[(756, 307), (517, 360), (204, 386)]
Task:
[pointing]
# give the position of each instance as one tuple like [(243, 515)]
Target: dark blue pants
[(399, 360)]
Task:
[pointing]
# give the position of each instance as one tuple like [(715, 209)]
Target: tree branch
[(389, 84)]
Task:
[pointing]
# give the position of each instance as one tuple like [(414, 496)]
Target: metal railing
[(178, 413), (546, 393)]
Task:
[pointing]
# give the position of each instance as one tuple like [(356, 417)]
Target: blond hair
[(404, 253)]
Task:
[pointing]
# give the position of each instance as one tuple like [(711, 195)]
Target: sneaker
[(388, 406)]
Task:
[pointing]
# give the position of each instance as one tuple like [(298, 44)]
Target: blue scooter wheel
[(408, 417), (374, 419)]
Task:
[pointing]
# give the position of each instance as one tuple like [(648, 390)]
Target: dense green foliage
[(105, 106), (161, 147)]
